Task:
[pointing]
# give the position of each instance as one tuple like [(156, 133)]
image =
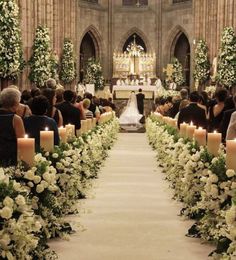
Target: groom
[(140, 101)]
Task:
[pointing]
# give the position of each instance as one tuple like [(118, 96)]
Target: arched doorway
[(182, 53), (87, 50)]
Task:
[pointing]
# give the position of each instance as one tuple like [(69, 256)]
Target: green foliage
[(93, 74), (205, 156), (40, 61), (68, 68), (202, 64), (11, 52), (218, 167), (226, 69)]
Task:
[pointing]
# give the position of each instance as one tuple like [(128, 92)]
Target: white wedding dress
[(131, 116)]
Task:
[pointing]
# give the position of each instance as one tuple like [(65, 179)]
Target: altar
[(123, 91)]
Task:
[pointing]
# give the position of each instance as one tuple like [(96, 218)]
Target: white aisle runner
[(132, 216)]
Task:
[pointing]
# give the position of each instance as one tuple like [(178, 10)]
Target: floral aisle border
[(202, 183), (34, 202)]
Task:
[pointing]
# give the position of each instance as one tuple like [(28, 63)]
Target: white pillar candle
[(26, 150), (94, 122), (83, 126), (70, 130), (47, 140), (231, 154), (89, 123), (182, 129), (190, 130), (213, 142), (200, 136), (62, 134)]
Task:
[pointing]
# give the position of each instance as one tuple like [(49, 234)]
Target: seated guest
[(52, 111), (11, 126), (216, 111), (176, 102), (51, 83), (184, 103), (164, 106), (86, 104), (34, 92), (226, 119), (231, 131), (193, 113), (93, 106), (70, 114), (39, 121), (78, 103), (59, 96)]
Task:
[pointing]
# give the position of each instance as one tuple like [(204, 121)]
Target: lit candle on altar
[(47, 140), (200, 136), (231, 154), (62, 134), (25, 150), (70, 130), (173, 122), (190, 130), (213, 142), (182, 129)]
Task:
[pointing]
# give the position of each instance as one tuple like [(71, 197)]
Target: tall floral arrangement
[(11, 53), (68, 68), (202, 64), (177, 74), (226, 69), (93, 74), (40, 61), (54, 66)]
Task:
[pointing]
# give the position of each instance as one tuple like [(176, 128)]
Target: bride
[(131, 116)]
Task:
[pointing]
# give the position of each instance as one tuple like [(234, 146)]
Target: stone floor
[(131, 215)]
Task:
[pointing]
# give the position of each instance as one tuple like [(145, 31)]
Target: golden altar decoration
[(134, 61)]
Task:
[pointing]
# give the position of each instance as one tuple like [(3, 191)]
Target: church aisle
[(132, 215)]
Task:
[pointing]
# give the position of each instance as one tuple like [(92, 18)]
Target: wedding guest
[(176, 102), (231, 131), (34, 93), (51, 83), (86, 104), (70, 114), (39, 121), (59, 96), (184, 103), (52, 111), (93, 107), (22, 110), (11, 126), (25, 96), (78, 103), (193, 113), (164, 106), (226, 119), (216, 111)]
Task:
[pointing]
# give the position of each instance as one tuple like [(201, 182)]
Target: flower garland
[(11, 53), (226, 69), (202, 183), (34, 202), (40, 61), (177, 75), (68, 68), (202, 64), (93, 74)]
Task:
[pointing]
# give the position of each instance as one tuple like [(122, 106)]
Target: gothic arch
[(97, 40), (128, 34)]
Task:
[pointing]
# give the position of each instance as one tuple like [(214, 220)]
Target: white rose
[(46, 176), (29, 175), (214, 191), (230, 173), (45, 184), (55, 155), (40, 188), (20, 200), (230, 215), (30, 184), (37, 179), (213, 178), (8, 202), (6, 212), (5, 240), (233, 186), (16, 186)]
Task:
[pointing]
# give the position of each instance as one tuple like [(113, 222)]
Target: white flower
[(213, 178), (5, 240), (37, 179), (40, 188), (30, 184), (8, 202), (29, 175), (20, 200), (55, 155), (214, 191), (6, 212), (230, 215), (230, 173), (16, 186)]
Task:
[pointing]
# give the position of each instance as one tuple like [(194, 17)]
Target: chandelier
[(134, 49)]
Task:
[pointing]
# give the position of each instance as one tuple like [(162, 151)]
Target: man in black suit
[(140, 101), (226, 119), (193, 113), (70, 114)]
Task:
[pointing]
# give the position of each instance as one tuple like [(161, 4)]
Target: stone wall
[(159, 24)]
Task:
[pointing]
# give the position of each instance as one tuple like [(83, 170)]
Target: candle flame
[(200, 128), (61, 127), (46, 128), (191, 123), (215, 132), (26, 136)]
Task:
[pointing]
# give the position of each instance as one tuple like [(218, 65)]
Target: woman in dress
[(131, 115)]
